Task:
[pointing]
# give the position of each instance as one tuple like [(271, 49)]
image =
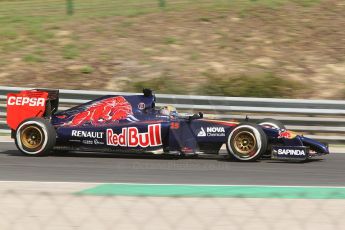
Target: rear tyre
[(35, 137), (246, 142), (272, 123)]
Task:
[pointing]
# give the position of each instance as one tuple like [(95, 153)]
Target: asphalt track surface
[(94, 167)]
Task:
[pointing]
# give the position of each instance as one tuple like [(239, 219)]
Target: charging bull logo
[(287, 134), (108, 110)]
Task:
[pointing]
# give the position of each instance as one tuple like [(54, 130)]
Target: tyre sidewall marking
[(270, 124), (19, 142), (258, 141)]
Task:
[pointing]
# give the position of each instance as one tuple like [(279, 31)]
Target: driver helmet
[(168, 110)]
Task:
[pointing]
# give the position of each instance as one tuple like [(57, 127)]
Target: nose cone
[(326, 148), (319, 147)]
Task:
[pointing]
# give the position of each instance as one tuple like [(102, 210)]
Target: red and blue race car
[(133, 124)]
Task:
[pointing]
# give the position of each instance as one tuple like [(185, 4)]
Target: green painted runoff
[(216, 191)]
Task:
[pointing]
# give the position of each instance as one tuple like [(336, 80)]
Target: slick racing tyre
[(272, 123), (246, 142), (35, 137)]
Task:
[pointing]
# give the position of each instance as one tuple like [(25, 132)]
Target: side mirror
[(195, 116)]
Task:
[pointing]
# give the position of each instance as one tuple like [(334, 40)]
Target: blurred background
[(254, 48)]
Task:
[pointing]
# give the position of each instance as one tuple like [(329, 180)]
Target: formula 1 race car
[(133, 124)]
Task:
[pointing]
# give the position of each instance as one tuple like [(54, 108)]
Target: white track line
[(155, 184), (52, 182)]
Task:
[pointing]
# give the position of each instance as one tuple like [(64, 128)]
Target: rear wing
[(30, 103)]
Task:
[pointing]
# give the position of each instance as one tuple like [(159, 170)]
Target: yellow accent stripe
[(216, 121)]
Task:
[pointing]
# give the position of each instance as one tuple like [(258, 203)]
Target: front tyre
[(35, 137), (272, 123), (246, 142)]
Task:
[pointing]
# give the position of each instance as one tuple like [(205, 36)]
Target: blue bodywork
[(133, 124)]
